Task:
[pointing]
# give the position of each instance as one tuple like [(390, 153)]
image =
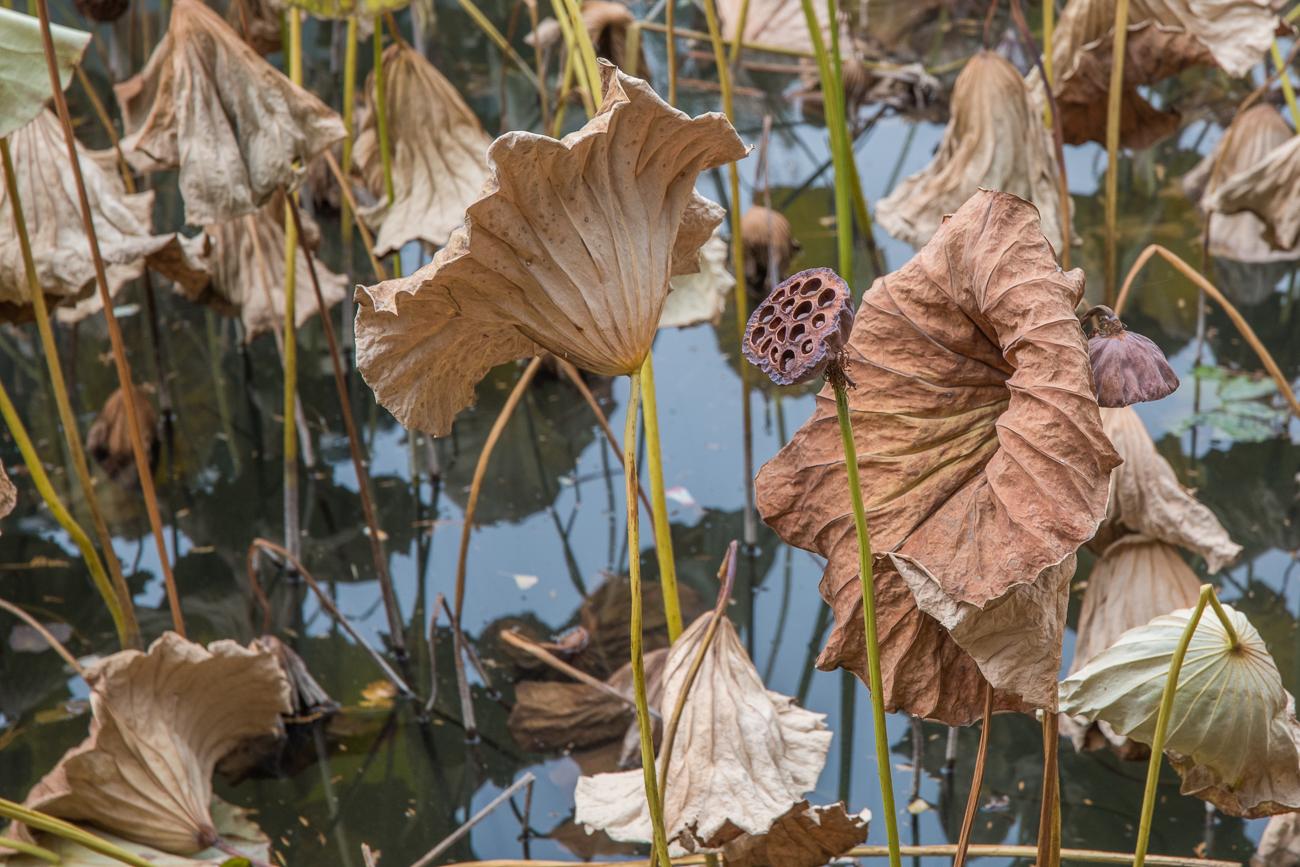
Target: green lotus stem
[(670, 16), (638, 660), (587, 51), (1049, 26), (869, 618), (381, 124), (828, 65), (349, 105), (30, 849), (1112, 143), (740, 31), (114, 590), (663, 533), (1287, 90), (60, 828), (291, 535), (495, 35), (565, 88), (1167, 708), (574, 68)]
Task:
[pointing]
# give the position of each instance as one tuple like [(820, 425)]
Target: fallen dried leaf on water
[(697, 298), (1232, 731), (995, 140), (806, 836), (743, 756), (1279, 846), (24, 80), (983, 461), (1240, 236), (109, 438), (438, 153), (209, 105), (759, 241), (52, 212), (569, 249), (246, 261), (1270, 189), (161, 722)]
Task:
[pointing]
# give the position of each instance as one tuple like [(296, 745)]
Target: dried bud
[(801, 327), (102, 11), (1128, 368)]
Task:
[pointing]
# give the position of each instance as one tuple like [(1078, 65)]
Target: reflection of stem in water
[(462, 681), (814, 646), (429, 857), (219, 388), (612, 511), (327, 785), (292, 538), (570, 559), (848, 718), (918, 757), (902, 155), (977, 782), (785, 613)]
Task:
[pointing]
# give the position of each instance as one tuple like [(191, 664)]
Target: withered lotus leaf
[(995, 140), (8, 492), (1128, 368), (764, 232), (569, 248), (1269, 189), (161, 722), (1240, 236), (1279, 845), (777, 22), (109, 439), (801, 327), (806, 836), (697, 298), (263, 18), (743, 755), (438, 148), (51, 209), (982, 457), (24, 80), (209, 105)]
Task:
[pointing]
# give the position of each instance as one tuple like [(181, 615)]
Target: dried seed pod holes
[(801, 327)]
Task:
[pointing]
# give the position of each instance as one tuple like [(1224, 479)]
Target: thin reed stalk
[(670, 22), (736, 42), (366, 238), (347, 208), (542, 96), (1288, 91), (102, 113), (586, 50), (59, 828), (576, 66), (659, 503), (977, 783), (502, 43), (292, 536), (1118, 47), (566, 87), (114, 330), (381, 123)]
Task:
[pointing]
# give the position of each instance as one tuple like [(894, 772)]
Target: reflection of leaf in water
[(1246, 412), (1252, 487)]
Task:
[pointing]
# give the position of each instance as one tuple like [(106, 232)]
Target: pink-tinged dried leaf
[(995, 140), (1270, 189), (161, 722), (569, 249), (52, 212), (806, 836), (801, 327), (1240, 236), (1145, 497), (439, 154), (1129, 368), (209, 105), (979, 444), (8, 492)]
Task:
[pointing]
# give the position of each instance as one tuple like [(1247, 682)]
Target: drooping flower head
[(1128, 368)]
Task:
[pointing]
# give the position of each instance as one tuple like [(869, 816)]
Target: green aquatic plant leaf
[(24, 75), (1233, 734)]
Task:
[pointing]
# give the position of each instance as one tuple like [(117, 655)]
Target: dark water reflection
[(551, 509)]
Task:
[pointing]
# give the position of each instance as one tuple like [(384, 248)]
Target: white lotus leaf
[(1145, 497), (1279, 845), (1232, 735), (24, 75), (1240, 236), (209, 105), (743, 755), (438, 154), (697, 298), (1270, 189), (65, 269), (995, 140), (162, 720), (569, 248)]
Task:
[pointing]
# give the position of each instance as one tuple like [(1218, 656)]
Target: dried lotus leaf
[(781, 23), (8, 492), (24, 78), (569, 249), (979, 443), (806, 836), (1270, 190), (1279, 846), (697, 298)]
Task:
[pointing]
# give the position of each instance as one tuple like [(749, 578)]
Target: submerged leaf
[(981, 451), (995, 140), (697, 298), (743, 755), (1269, 189), (161, 722), (24, 76), (569, 249), (1233, 735), (438, 153), (209, 105)]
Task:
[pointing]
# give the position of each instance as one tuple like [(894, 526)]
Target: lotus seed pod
[(1127, 368), (801, 327)]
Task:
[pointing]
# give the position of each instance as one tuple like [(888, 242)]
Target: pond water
[(552, 526)]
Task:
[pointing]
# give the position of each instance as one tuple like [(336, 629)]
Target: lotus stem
[(1112, 140), (54, 643), (670, 20), (391, 608), (1283, 385), (836, 378), (114, 330), (118, 595), (292, 537), (833, 92), (1287, 90), (60, 828), (586, 50), (480, 470), (977, 783), (1049, 822), (659, 504), (684, 33), (566, 87), (381, 123), (219, 387), (1166, 710), (29, 848), (542, 96), (495, 35), (366, 238), (863, 217), (574, 68), (1049, 27), (740, 32), (107, 124), (638, 659), (349, 105)]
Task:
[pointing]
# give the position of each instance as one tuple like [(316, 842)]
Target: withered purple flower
[(801, 327), (1127, 368)]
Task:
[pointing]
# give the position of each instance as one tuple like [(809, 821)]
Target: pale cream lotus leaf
[(161, 722), (209, 105), (1240, 236), (569, 248), (1232, 734), (806, 836), (246, 261), (1279, 846), (995, 140), (24, 76), (743, 755), (1014, 639), (781, 23), (1145, 497), (697, 298), (438, 154), (1270, 189), (52, 212), (8, 492)]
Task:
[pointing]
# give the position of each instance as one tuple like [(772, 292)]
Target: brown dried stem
[(102, 114), (977, 782), (45, 633), (346, 188)]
